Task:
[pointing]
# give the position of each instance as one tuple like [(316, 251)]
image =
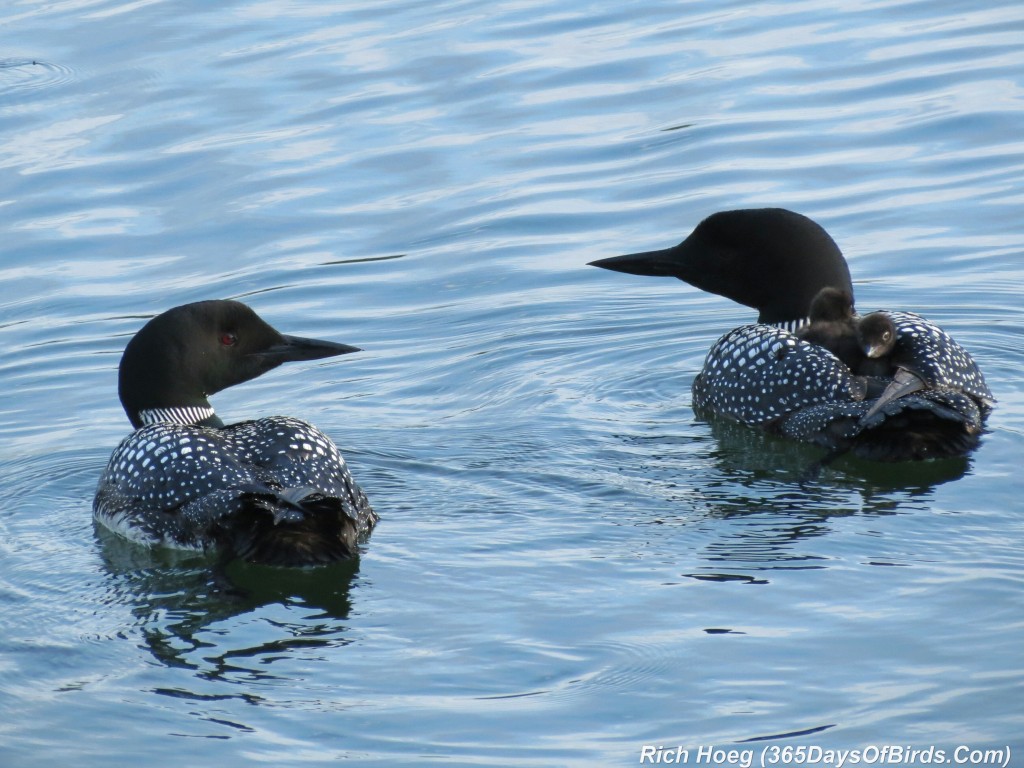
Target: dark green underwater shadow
[(756, 504), (189, 610), (743, 450)]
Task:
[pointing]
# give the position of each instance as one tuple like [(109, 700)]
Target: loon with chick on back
[(766, 376), (862, 343), (274, 490)]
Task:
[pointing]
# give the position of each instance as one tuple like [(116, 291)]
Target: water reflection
[(745, 455), (234, 624), (759, 485)]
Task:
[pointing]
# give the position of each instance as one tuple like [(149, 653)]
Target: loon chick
[(763, 375), (833, 325), (876, 337), (862, 344), (274, 491)]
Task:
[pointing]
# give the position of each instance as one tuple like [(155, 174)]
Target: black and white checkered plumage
[(769, 378), (935, 356), (758, 374), (274, 490)]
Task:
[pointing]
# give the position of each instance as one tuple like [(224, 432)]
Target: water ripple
[(565, 552), (30, 74)]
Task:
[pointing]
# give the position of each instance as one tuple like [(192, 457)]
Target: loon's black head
[(877, 334), (770, 259), (181, 357)]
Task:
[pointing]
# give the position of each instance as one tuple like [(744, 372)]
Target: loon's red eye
[(228, 339)]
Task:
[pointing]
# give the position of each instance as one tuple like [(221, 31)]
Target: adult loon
[(273, 491), (764, 375)]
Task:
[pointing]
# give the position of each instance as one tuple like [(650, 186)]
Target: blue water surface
[(570, 565)]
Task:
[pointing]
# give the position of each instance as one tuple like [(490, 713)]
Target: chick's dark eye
[(228, 339)]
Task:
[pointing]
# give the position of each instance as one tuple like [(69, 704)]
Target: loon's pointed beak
[(663, 263), (874, 351), (292, 348)]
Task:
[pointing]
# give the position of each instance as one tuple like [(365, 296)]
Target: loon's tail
[(293, 527), (931, 425)]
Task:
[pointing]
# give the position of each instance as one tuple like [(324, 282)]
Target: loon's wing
[(765, 377), (296, 526), (289, 453), (195, 488), (937, 359), (156, 471), (925, 425), (758, 374)]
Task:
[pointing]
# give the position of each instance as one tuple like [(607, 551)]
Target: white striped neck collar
[(792, 325), (183, 414)]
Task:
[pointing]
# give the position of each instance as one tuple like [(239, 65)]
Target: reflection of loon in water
[(750, 513), (182, 608), (765, 376)]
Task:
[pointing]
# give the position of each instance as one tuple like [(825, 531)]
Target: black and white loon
[(273, 491), (766, 376)]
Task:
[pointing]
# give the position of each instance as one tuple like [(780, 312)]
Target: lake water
[(570, 566)]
